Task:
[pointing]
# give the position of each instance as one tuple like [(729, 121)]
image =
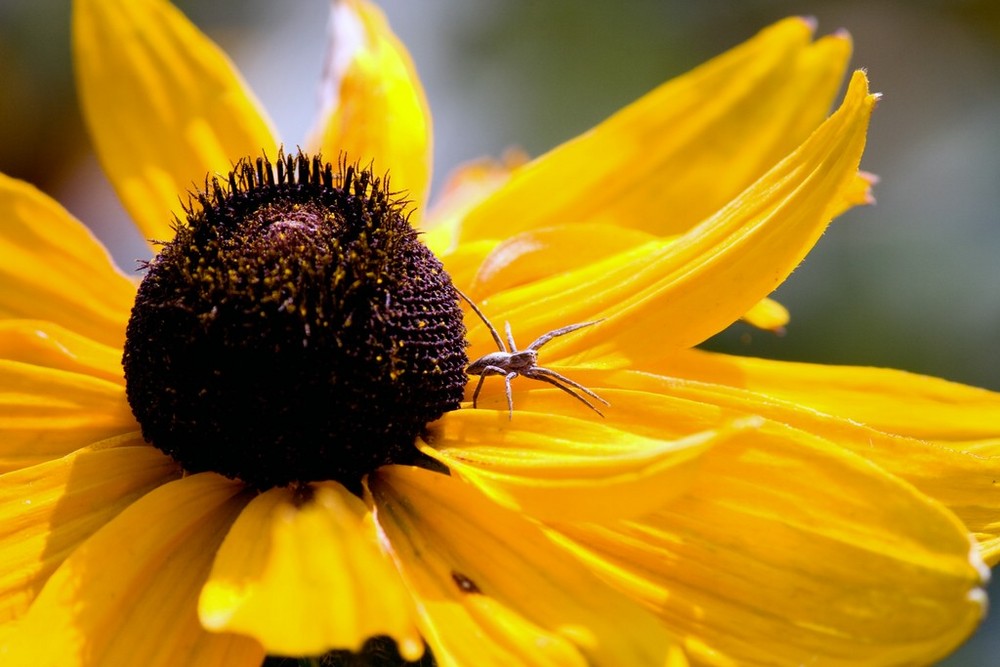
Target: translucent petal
[(47, 413), (547, 251), (788, 550), (555, 467), (128, 595), (48, 510), (372, 105), (691, 288), (463, 262), (493, 590), (305, 576), (164, 105), (54, 269), (537, 254), (681, 152)]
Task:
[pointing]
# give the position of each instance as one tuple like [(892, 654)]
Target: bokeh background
[(913, 282)]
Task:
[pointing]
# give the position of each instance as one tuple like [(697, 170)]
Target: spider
[(513, 362)]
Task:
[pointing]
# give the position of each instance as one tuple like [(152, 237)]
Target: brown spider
[(513, 362)]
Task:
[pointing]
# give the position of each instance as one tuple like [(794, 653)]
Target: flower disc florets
[(295, 329)]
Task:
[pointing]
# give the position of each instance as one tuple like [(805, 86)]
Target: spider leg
[(548, 372), (510, 395), (493, 370), (489, 325), (553, 378), (545, 338), (510, 336), (479, 386)]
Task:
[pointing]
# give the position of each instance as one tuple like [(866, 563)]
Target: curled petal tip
[(867, 181), (372, 107), (978, 596), (860, 79), (842, 35), (976, 558), (810, 21), (873, 179)]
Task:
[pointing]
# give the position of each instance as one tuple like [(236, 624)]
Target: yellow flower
[(734, 511)]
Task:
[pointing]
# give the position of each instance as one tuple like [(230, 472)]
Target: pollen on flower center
[(295, 329)]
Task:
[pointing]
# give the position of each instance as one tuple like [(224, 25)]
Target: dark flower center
[(295, 329)]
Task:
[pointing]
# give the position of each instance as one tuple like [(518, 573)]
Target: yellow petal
[(681, 152), (373, 108), (693, 287), (858, 193), (964, 481), (465, 188), (163, 104), (492, 590), (128, 595), (787, 550), (463, 262), (46, 511), (885, 399), (555, 467), (990, 447), (46, 413), (767, 314), (307, 576), (539, 253), (484, 267), (47, 344), (54, 269)]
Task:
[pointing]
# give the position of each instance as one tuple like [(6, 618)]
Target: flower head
[(288, 465), (295, 329)]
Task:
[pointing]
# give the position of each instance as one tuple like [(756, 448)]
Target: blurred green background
[(913, 282)]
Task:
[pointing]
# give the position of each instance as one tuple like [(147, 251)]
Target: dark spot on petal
[(464, 584)]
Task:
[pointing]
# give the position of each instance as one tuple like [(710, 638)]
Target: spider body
[(520, 362), (509, 362)]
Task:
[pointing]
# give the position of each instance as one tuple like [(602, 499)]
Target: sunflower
[(294, 464)]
